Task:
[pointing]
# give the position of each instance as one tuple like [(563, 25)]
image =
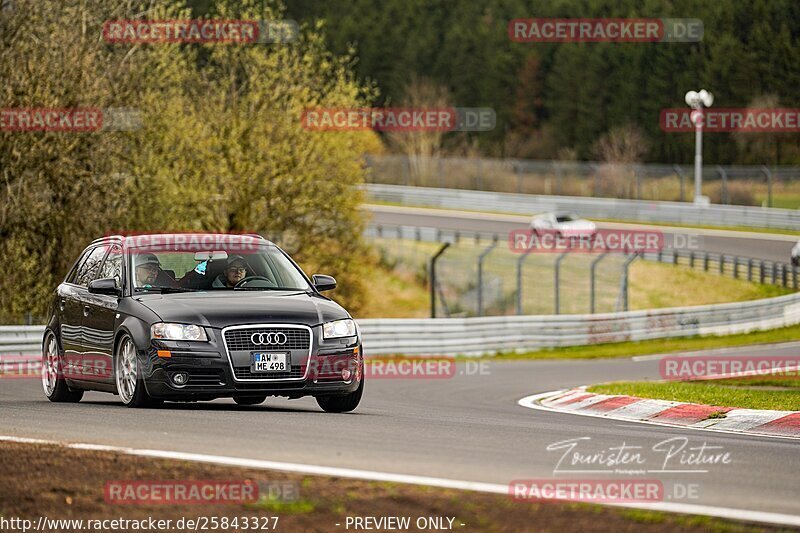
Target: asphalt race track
[(770, 247), (468, 427)]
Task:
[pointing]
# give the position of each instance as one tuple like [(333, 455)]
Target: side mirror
[(105, 286), (323, 282)]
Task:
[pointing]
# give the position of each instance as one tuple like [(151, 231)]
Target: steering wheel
[(248, 279)]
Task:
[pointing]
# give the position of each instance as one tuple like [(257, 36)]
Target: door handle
[(85, 310)]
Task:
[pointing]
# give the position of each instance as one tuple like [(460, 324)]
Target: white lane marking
[(504, 217), (532, 402), (493, 488), (732, 350)]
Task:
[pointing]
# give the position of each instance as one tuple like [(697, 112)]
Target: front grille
[(245, 373), (239, 339)]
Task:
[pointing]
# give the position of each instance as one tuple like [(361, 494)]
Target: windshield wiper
[(169, 290), (268, 289)]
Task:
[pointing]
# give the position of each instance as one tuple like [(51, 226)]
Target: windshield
[(265, 268)]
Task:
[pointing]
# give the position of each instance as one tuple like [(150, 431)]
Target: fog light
[(345, 374), (180, 378)]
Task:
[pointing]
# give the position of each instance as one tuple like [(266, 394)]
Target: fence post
[(481, 257), (721, 264), (556, 280), (705, 262), (794, 277), (761, 272), (749, 269), (774, 272), (432, 275), (625, 281), (682, 177), (735, 267), (724, 176), (519, 278), (783, 274), (592, 269), (768, 173)]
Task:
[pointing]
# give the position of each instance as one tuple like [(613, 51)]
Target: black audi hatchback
[(193, 317)]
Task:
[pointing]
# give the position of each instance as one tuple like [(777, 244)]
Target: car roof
[(131, 239)]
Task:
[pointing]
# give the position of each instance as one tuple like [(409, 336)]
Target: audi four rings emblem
[(269, 338)]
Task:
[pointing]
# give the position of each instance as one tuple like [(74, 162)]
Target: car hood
[(219, 309)]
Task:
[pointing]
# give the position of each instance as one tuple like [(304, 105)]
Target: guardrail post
[(691, 259), (432, 267), (705, 262), (750, 269), (675, 256), (682, 178), (783, 274), (481, 257), (768, 173), (556, 280), (592, 269), (724, 176), (721, 264), (520, 262), (794, 277), (735, 267), (774, 272), (761, 272)]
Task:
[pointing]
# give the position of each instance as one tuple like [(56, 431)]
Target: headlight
[(178, 332), (338, 329)]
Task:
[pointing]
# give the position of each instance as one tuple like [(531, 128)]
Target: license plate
[(270, 362)]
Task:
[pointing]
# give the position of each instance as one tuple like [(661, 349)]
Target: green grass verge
[(657, 346), (707, 393)]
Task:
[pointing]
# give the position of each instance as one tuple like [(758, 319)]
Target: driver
[(235, 271), (149, 272)]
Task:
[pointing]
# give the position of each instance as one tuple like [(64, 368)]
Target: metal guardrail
[(603, 208), (726, 184), (474, 336)]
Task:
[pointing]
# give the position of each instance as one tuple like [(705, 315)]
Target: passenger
[(149, 272)]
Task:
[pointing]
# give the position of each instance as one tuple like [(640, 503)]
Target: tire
[(341, 404), (127, 377), (53, 365), (249, 400)]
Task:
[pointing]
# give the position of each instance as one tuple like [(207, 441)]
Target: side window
[(73, 274), (112, 267), (89, 267)]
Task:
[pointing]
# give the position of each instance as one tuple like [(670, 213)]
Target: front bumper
[(330, 368)]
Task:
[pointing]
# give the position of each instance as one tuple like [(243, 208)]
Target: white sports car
[(563, 224)]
